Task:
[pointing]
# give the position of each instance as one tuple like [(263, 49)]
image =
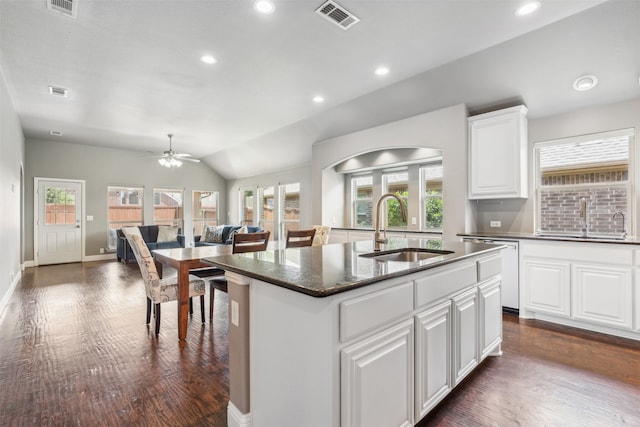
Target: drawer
[(489, 267), (368, 312), (437, 285)]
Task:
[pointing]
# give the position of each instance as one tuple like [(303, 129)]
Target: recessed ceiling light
[(318, 99), (382, 71), (264, 6), (528, 8), (585, 82), (208, 59)]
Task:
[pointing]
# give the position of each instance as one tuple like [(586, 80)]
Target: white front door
[(58, 221)]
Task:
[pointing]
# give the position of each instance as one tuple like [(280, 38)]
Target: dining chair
[(159, 290), (299, 238), (242, 243)]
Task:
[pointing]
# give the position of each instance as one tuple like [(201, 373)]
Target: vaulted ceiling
[(133, 72)]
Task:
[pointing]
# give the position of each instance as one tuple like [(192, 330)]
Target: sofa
[(155, 236), (223, 234)]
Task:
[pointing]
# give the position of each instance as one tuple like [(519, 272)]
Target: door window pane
[(60, 206)]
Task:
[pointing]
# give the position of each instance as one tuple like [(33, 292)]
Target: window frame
[(355, 199), (630, 185), (202, 221), (111, 237), (424, 196), (179, 221), (386, 173)]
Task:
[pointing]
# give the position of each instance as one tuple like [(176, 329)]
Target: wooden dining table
[(184, 260)]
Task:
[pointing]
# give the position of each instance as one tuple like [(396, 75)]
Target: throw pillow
[(167, 234), (213, 233), (240, 230)]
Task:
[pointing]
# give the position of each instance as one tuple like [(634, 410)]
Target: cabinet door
[(497, 154), (547, 286), (603, 295), (338, 236), (490, 318), (465, 334), (377, 379), (433, 357)]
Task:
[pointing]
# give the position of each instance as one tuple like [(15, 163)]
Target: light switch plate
[(495, 224)]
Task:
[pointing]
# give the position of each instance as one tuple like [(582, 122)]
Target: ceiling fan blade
[(190, 160), (182, 155)]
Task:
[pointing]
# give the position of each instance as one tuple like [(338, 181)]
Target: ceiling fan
[(171, 159)]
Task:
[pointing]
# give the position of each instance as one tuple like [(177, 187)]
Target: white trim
[(4, 302), (620, 133), (101, 257), (235, 418)]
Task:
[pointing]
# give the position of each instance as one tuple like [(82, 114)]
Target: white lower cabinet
[(433, 357), (377, 379), (603, 295), (551, 287), (465, 334), (490, 316)]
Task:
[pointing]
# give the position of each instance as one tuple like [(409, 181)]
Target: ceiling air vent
[(66, 7), (59, 91), (337, 14)]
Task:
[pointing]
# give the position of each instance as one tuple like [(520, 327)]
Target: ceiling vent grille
[(337, 14), (66, 7), (59, 91)]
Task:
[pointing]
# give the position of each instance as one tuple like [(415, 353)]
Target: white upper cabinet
[(498, 154)]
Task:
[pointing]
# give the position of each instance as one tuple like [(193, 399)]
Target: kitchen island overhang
[(343, 339)]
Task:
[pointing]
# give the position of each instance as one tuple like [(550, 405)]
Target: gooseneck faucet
[(624, 228), (377, 238)]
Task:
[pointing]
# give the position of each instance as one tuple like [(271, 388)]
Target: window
[(167, 207), (204, 209), (397, 183), (266, 206), (431, 184), (362, 190), (289, 207), (124, 207), (246, 206), (593, 168), (60, 206)]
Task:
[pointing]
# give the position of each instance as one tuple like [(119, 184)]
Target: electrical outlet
[(495, 224), (101, 250), (414, 220)]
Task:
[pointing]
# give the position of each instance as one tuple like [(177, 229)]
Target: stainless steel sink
[(406, 254)]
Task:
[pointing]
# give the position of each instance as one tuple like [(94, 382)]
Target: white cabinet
[(498, 154), (586, 285), (338, 236), (549, 289), (490, 317), (465, 334), (603, 295), (377, 379), (433, 357)]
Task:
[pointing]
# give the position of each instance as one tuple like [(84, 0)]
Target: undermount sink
[(406, 254), (587, 237)]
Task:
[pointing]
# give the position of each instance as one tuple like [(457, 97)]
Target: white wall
[(301, 174), (11, 165), (444, 129), (102, 167), (517, 215)]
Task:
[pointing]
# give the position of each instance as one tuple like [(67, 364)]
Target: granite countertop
[(325, 270), (560, 238)]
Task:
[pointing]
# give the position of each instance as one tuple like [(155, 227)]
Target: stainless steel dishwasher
[(510, 272)]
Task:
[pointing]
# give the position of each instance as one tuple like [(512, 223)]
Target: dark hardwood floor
[(74, 350)]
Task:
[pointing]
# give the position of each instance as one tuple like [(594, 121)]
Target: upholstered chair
[(159, 290)]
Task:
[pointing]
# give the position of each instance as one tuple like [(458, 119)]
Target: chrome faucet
[(377, 238), (583, 215), (624, 228)]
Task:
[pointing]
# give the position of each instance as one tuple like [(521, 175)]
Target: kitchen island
[(335, 336)]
